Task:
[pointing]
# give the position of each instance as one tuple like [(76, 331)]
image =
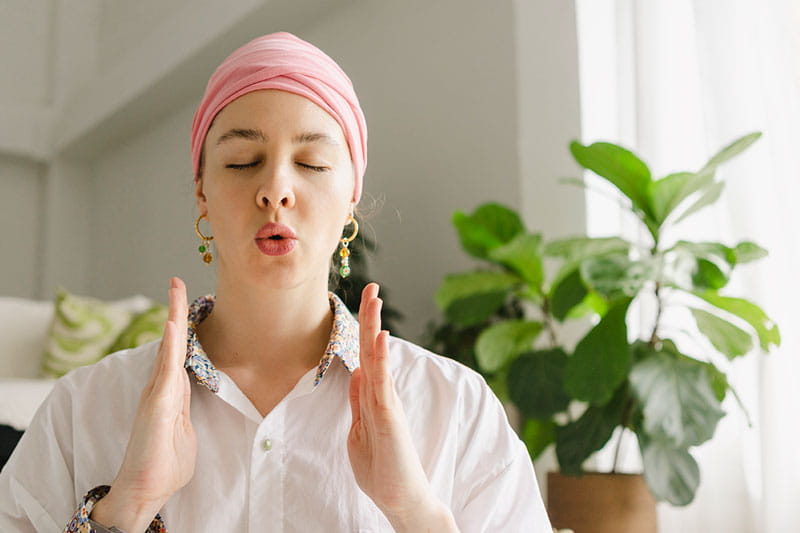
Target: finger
[(369, 294), (178, 314), (382, 385), (355, 396), (163, 368), (369, 329)]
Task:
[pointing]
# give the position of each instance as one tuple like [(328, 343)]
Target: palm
[(383, 457)]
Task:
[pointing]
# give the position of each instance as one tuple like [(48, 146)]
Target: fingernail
[(172, 283)]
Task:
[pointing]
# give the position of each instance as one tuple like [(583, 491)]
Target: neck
[(267, 329)]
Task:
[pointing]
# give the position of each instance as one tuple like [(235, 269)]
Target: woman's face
[(275, 157)]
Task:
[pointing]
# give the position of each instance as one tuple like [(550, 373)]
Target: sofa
[(26, 328)]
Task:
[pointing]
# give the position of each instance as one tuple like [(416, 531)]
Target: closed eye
[(312, 167), (242, 166)]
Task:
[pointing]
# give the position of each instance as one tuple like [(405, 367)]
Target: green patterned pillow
[(83, 331), (145, 327)]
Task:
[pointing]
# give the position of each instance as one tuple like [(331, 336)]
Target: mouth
[(275, 239)]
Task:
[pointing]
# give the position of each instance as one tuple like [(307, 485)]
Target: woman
[(277, 411)]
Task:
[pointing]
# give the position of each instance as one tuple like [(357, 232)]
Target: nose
[(275, 189)]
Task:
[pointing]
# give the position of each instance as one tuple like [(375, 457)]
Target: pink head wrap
[(286, 62)]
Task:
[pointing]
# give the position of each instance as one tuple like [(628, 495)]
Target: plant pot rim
[(594, 474)]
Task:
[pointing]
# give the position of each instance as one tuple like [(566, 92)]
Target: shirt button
[(267, 445)]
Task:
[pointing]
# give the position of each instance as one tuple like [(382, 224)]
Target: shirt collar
[(343, 342)]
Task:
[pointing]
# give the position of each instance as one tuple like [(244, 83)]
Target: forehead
[(276, 113)]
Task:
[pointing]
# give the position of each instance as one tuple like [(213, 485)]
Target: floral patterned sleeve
[(80, 520)]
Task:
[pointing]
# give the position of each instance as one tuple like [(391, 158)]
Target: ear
[(200, 197)]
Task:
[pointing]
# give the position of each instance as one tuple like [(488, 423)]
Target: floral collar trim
[(343, 342)]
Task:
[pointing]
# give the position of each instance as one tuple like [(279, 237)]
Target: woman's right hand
[(162, 449)]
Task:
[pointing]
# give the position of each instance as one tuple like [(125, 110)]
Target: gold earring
[(344, 252), (205, 246)]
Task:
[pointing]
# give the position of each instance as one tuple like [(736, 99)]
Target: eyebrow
[(258, 135), (238, 133)]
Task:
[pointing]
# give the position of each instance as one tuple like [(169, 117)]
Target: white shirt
[(286, 472)]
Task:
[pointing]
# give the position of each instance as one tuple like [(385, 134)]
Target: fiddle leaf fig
[(490, 226), (576, 441), (535, 383), (522, 255), (538, 434), (568, 293), (504, 341), (733, 149), (620, 167), (729, 339), (765, 328), (622, 372), (601, 360), (670, 471), (678, 402), (459, 286)]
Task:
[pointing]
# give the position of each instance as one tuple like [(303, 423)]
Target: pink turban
[(286, 62)]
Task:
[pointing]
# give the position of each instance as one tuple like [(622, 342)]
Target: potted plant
[(505, 319)]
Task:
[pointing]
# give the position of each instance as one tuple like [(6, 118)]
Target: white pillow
[(23, 330)]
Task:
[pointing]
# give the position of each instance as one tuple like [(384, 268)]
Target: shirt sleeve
[(37, 485), (80, 520), (498, 490)]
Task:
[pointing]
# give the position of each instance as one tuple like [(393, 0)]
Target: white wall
[(20, 226)]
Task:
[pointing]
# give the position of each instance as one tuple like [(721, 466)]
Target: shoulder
[(443, 388), (120, 372), (415, 366)]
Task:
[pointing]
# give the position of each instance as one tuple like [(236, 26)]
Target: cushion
[(145, 327), (84, 330), (23, 329)]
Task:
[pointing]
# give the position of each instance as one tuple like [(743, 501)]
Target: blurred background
[(467, 101)]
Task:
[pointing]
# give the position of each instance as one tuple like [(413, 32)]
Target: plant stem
[(548, 322), (659, 307), (626, 414)]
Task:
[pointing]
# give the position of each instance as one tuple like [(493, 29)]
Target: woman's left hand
[(384, 460)]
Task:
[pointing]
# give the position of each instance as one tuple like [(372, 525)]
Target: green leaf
[(538, 435), (766, 329), (618, 166), (727, 338), (576, 441), (670, 471), (615, 276), (535, 383), (708, 276), (504, 341), (459, 286), (601, 360), (733, 149), (490, 226), (709, 195), (678, 402), (593, 303), (568, 293), (709, 250), (522, 255), (747, 251), (669, 192), (718, 382), (476, 308)]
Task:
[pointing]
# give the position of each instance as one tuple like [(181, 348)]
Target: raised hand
[(384, 460), (161, 452)]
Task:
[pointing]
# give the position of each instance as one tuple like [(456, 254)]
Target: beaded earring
[(205, 245), (344, 252)]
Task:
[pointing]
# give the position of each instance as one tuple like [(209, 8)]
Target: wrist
[(433, 517), (127, 513)]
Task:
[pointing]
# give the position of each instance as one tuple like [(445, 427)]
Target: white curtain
[(675, 81)]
